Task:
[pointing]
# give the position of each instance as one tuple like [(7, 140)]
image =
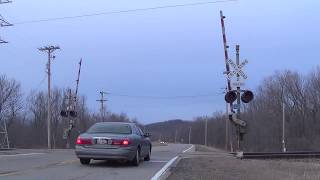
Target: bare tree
[(10, 104)]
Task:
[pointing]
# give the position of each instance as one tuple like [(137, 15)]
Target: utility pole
[(175, 136), (206, 131), (3, 22), (5, 1), (190, 134), (284, 149), (102, 100), (49, 50)]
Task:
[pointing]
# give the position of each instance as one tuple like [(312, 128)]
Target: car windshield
[(110, 128)]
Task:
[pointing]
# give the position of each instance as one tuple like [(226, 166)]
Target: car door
[(144, 143), (139, 138)]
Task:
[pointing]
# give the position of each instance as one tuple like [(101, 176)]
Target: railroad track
[(277, 155)]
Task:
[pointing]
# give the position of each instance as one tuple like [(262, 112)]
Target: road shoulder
[(209, 163)]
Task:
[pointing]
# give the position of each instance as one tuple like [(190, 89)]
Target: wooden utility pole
[(102, 100), (190, 135), (206, 132), (284, 149), (49, 50), (175, 136)]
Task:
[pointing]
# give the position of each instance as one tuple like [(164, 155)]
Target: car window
[(110, 128), (135, 130), (141, 132)]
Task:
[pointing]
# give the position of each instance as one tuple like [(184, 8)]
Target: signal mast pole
[(238, 94)]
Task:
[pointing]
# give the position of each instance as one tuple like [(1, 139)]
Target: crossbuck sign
[(237, 69)]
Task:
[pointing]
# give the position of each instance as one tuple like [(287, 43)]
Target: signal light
[(230, 97), (67, 113), (73, 113), (247, 96), (64, 113)]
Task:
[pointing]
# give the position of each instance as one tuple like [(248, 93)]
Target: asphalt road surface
[(63, 165)]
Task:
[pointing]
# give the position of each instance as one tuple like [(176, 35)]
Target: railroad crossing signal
[(246, 96), (237, 69)]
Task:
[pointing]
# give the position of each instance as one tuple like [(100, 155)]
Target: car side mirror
[(147, 134)]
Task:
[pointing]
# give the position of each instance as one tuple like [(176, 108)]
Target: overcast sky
[(164, 52)]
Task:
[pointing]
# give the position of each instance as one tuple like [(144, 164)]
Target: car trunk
[(105, 140)]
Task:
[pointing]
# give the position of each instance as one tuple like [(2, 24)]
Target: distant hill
[(169, 131)]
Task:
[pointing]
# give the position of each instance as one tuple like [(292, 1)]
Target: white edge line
[(163, 169), (158, 161), (187, 149), (166, 166), (11, 155)]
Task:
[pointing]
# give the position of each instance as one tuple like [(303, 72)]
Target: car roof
[(128, 123)]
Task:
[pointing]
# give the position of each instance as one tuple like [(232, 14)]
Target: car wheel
[(136, 159), (147, 158), (84, 161)]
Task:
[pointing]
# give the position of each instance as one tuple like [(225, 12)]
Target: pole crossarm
[(102, 100), (5, 1)]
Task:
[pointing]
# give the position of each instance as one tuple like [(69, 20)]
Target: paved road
[(63, 165)]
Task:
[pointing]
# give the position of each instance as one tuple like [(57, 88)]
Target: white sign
[(238, 84), (236, 106), (237, 69)]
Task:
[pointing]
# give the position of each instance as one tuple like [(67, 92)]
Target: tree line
[(26, 117), (300, 95)]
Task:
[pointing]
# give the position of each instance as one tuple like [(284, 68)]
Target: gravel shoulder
[(213, 164)]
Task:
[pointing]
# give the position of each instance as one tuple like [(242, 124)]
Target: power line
[(40, 83), (3, 22), (123, 11), (162, 97)]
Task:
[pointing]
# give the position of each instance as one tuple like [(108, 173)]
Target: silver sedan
[(113, 141)]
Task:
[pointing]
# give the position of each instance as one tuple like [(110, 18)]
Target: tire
[(84, 161), (147, 158), (136, 159)]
